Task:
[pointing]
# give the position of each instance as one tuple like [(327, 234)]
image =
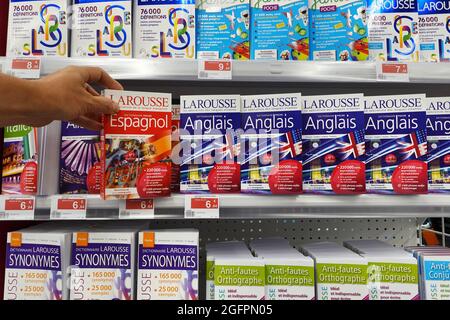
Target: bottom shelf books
[(105, 261)]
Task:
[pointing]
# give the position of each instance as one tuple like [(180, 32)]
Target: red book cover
[(175, 183), (136, 146)]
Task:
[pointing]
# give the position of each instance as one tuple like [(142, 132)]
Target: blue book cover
[(333, 135), (396, 145), (271, 140), (338, 30), (209, 142), (279, 30), (438, 137), (223, 29)]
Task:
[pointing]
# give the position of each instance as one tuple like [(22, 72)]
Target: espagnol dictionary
[(223, 29), (164, 29), (272, 144), (280, 30), (101, 28), (20, 160), (333, 137), (38, 28), (396, 144), (136, 146), (80, 167), (210, 144), (438, 136), (338, 30)]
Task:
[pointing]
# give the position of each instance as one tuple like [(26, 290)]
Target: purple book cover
[(80, 170)]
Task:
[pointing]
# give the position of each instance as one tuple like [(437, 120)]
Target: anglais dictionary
[(333, 138), (272, 140), (396, 137), (210, 144), (136, 146)]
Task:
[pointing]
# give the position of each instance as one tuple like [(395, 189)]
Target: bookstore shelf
[(298, 71), (241, 206)]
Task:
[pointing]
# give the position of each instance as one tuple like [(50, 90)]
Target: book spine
[(103, 159)]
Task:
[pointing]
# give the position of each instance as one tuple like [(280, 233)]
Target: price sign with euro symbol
[(215, 69)]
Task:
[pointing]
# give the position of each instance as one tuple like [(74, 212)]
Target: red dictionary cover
[(136, 146), (175, 183)]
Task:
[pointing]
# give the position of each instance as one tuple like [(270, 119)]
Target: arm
[(64, 95)]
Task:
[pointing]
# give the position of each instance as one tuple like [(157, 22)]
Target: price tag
[(201, 207), (387, 71), (17, 207), (68, 207), (137, 209), (26, 68), (215, 69)]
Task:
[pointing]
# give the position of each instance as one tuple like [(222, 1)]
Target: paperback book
[(164, 29), (272, 144), (136, 146), (338, 30), (38, 28), (210, 144), (20, 165), (396, 137), (333, 134), (80, 167), (101, 28), (393, 30), (438, 137), (280, 30), (223, 28)]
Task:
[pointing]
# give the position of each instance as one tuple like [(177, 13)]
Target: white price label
[(392, 71), (17, 207), (68, 207), (137, 209), (215, 69), (26, 68), (201, 207)]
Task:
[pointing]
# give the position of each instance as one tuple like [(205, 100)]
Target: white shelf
[(240, 206), (298, 71)]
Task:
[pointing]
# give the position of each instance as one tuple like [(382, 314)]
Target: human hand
[(67, 95)]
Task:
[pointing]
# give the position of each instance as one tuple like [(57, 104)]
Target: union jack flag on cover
[(208, 135), (272, 144), (396, 144), (334, 143)]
